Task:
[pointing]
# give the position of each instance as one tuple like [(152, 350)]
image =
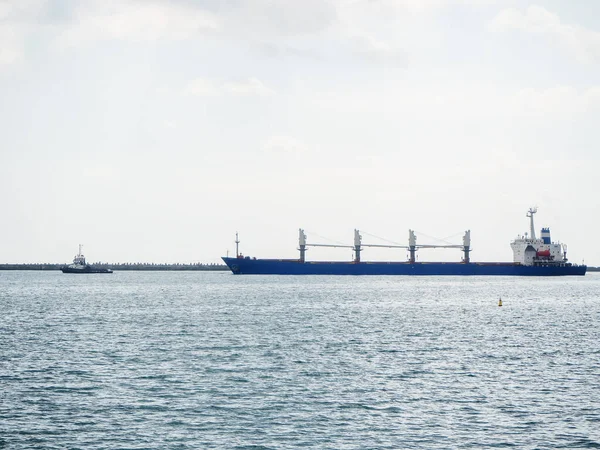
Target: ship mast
[(237, 244), (530, 214)]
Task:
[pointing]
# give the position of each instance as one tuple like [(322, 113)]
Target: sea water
[(200, 360)]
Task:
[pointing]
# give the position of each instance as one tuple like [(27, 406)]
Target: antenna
[(530, 214)]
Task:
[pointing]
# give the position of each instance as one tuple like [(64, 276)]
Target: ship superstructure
[(529, 250), (531, 256), (79, 259)]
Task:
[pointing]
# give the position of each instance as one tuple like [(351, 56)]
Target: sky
[(152, 131)]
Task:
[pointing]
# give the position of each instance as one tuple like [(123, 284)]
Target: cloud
[(11, 44), (281, 17), (561, 100), (136, 20), (459, 102), (583, 43), (535, 20), (310, 28), (202, 87), (280, 144), (21, 10), (102, 171), (279, 50), (17, 21), (390, 32), (80, 23), (374, 50), (425, 6), (285, 153), (251, 86), (205, 87)]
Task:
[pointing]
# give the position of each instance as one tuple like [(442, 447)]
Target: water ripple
[(210, 360)]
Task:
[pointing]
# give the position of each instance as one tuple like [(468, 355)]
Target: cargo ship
[(80, 266), (532, 256)]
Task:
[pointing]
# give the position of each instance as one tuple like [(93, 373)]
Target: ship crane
[(356, 247), (412, 245)]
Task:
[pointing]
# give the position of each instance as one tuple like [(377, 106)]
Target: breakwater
[(120, 266)]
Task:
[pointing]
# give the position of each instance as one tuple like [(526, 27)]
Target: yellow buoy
[(500, 302)]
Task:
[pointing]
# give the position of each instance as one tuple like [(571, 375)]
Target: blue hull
[(247, 266)]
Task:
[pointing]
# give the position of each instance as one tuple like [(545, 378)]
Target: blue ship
[(532, 256)]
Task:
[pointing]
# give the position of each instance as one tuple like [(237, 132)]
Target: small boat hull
[(87, 269)]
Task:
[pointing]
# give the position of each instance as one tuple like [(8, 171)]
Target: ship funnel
[(546, 236)]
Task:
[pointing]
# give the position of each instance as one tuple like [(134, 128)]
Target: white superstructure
[(78, 260), (530, 251)]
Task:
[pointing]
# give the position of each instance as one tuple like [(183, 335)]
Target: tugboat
[(80, 266)]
